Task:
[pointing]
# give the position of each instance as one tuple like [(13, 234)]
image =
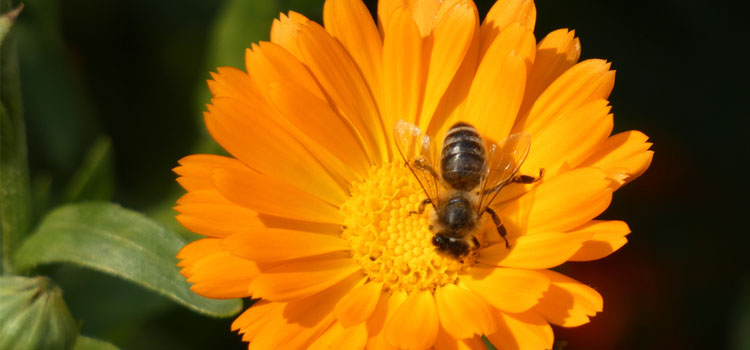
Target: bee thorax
[(457, 214), (452, 246)]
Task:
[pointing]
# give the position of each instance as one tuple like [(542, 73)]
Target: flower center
[(393, 244)]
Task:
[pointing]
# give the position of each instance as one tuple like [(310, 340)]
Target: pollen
[(391, 241)]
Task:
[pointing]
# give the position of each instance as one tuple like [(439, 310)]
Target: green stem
[(15, 190)]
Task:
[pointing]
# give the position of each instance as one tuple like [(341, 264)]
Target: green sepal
[(33, 315)]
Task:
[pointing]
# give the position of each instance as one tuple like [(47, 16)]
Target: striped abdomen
[(462, 159)]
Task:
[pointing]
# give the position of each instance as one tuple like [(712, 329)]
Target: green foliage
[(94, 180), (86, 343), (62, 117), (59, 117), (121, 242), (240, 24), (33, 315), (6, 21), (15, 192)]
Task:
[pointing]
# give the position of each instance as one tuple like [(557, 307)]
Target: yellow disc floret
[(391, 242)]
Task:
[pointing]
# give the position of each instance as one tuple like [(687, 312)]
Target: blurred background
[(124, 81)]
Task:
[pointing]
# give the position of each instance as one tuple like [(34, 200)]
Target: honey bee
[(471, 174)]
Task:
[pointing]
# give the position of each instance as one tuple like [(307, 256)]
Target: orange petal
[(508, 289), (357, 306), (264, 145), (232, 82), (268, 62), (298, 225), (516, 39), (402, 69), (451, 40), (386, 8), (339, 76), (250, 322), (338, 337), (314, 308), (560, 204), (515, 16), (209, 213), (384, 311), (350, 22), (624, 156), (569, 303), (196, 170), (522, 331), (220, 275), (445, 341), (305, 112), (495, 95), (280, 333), (608, 236), (504, 13), (197, 250), (304, 320), (537, 251), (426, 14), (266, 194), (555, 54), (463, 314), (587, 81), (269, 244), (569, 140), (300, 279), (284, 31), (452, 104), (415, 324)]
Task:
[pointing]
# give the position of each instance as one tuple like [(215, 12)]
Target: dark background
[(135, 71)]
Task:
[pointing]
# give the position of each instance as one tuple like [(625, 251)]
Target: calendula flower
[(314, 212)]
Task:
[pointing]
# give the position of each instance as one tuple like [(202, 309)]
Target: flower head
[(314, 213)]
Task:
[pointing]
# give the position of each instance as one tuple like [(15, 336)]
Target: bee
[(471, 174)]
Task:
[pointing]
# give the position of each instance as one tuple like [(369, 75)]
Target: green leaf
[(86, 343), (94, 179), (120, 242), (15, 191)]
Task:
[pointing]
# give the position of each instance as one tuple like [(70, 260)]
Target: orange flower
[(312, 213)]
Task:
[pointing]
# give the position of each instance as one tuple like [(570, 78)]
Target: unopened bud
[(33, 315)]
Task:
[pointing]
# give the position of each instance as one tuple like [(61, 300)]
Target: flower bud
[(33, 315)]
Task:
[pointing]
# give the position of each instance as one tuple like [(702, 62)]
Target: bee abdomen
[(462, 159)]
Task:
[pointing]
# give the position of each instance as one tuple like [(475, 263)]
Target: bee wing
[(419, 153), (503, 161)]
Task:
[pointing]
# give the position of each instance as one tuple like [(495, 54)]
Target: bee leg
[(528, 179), (422, 205), (476, 242), (499, 225)]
